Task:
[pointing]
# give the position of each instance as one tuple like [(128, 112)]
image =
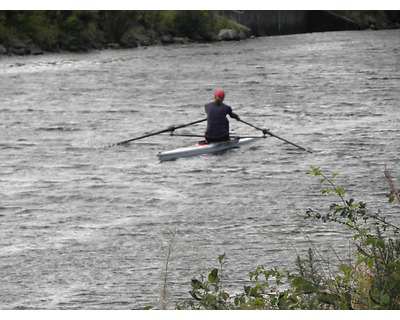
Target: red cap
[(219, 93)]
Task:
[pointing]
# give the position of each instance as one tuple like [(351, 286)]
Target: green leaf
[(345, 268), (213, 276), (328, 298), (340, 191), (375, 242), (194, 296), (314, 170), (385, 299), (380, 296), (247, 289), (196, 284), (302, 285), (394, 264)]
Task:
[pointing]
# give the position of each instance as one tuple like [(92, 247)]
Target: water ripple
[(85, 225)]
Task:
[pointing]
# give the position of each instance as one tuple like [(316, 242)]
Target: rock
[(180, 40), (196, 37), (3, 50), (167, 39), (35, 50), (242, 35), (18, 51), (15, 46), (214, 38), (143, 40), (147, 38), (128, 41), (16, 43), (228, 35), (113, 46)]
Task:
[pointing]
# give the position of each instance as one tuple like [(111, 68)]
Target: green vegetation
[(372, 281), (24, 32), (81, 30)]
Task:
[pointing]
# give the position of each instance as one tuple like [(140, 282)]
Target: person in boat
[(217, 122)]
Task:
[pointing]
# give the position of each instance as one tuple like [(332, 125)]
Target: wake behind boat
[(204, 148)]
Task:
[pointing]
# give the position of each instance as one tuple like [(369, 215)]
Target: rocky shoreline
[(142, 37), (145, 38)]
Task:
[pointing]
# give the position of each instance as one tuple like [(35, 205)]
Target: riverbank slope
[(36, 32)]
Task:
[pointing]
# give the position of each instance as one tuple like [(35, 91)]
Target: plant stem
[(163, 298)]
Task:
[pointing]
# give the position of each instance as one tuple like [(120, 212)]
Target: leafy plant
[(207, 292), (372, 282), (375, 277)]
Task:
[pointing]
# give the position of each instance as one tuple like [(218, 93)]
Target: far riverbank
[(38, 32)]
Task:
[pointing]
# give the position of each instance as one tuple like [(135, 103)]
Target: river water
[(86, 226)]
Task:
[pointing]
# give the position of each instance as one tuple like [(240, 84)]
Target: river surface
[(86, 226)]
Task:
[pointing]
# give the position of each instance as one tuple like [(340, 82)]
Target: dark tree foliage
[(83, 29)]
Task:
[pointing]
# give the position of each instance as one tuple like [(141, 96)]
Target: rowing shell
[(202, 148)]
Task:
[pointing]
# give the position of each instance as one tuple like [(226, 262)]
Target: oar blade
[(289, 142)]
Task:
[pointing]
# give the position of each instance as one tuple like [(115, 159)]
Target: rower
[(217, 122)]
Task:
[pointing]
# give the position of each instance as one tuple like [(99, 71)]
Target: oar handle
[(255, 127), (188, 124)]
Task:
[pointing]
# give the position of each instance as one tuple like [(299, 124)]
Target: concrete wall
[(278, 22), (320, 21)]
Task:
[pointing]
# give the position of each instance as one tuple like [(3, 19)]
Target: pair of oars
[(173, 128)]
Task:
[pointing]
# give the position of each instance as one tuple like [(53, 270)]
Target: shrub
[(195, 23), (375, 278), (372, 282)]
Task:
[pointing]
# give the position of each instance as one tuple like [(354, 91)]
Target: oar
[(265, 131), (169, 129)]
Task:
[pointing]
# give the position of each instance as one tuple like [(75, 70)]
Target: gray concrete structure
[(279, 22)]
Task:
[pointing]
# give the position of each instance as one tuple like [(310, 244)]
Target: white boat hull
[(199, 149)]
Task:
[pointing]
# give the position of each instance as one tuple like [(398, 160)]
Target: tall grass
[(164, 289)]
